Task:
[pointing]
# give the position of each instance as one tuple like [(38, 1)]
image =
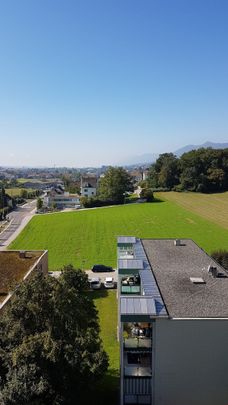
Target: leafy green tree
[(24, 193), (39, 203), (147, 193), (115, 183), (49, 341), (165, 172)]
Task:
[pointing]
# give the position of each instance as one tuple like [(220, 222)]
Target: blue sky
[(95, 82)]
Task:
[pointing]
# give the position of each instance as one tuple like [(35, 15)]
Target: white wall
[(88, 191), (191, 362)]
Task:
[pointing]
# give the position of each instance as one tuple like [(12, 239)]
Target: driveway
[(91, 274), (18, 219), (103, 276)]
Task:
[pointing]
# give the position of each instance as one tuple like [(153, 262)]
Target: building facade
[(61, 199), (173, 323), (88, 186)]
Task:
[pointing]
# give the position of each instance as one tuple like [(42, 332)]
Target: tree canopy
[(202, 170), (49, 341), (115, 183)]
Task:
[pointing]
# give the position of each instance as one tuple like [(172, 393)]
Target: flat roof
[(137, 306), (173, 266), (13, 268), (136, 264), (126, 240)]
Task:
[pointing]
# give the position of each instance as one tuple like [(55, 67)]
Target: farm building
[(173, 323)]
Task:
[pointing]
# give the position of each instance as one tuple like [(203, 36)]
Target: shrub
[(221, 256)]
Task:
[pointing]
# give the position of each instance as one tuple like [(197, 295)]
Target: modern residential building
[(15, 267), (88, 186), (61, 199), (173, 323)]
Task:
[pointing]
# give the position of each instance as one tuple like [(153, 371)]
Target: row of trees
[(50, 346), (202, 170)]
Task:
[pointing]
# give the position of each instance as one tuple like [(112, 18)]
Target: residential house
[(61, 199), (88, 186)]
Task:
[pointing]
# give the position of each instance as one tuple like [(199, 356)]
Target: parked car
[(109, 282), (101, 268), (95, 283)]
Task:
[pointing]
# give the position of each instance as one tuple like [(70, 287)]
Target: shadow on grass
[(158, 200), (104, 392), (102, 293)]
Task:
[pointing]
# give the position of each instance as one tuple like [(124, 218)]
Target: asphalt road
[(17, 221)]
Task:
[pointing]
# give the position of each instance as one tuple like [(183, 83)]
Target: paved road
[(18, 219)]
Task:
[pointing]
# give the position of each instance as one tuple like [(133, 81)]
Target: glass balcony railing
[(137, 343), (130, 289), (134, 371)]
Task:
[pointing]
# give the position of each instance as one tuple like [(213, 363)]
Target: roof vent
[(213, 271), (177, 242), (197, 280)]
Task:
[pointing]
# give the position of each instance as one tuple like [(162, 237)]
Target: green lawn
[(84, 238), (107, 389), (16, 191)]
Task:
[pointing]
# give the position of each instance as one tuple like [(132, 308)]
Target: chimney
[(213, 271), (177, 242)]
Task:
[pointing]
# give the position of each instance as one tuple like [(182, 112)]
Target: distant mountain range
[(213, 145), (148, 158)]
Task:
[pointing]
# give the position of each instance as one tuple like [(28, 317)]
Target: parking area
[(103, 275), (92, 274)]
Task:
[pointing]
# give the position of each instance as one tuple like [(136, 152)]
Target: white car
[(109, 282), (95, 283)]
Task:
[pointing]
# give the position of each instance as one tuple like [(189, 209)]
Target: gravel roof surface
[(174, 265)]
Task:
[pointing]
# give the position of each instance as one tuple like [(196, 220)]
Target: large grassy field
[(87, 237), (213, 207), (16, 191)]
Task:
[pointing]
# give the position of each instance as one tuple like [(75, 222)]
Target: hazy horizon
[(91, 83)]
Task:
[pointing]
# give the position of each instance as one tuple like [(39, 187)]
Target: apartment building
[(173, 323)]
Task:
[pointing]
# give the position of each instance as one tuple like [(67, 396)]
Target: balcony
[(125, 253), (131, 285), (137, 344), (137, 364), (134, 371)]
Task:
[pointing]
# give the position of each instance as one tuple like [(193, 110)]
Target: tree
[(147, 193), (115, 183), (39, 203), (221, 256), (49, 341), (165, 172), (24, 193)]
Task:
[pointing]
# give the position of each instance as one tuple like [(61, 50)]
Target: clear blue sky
[(94, 82)]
